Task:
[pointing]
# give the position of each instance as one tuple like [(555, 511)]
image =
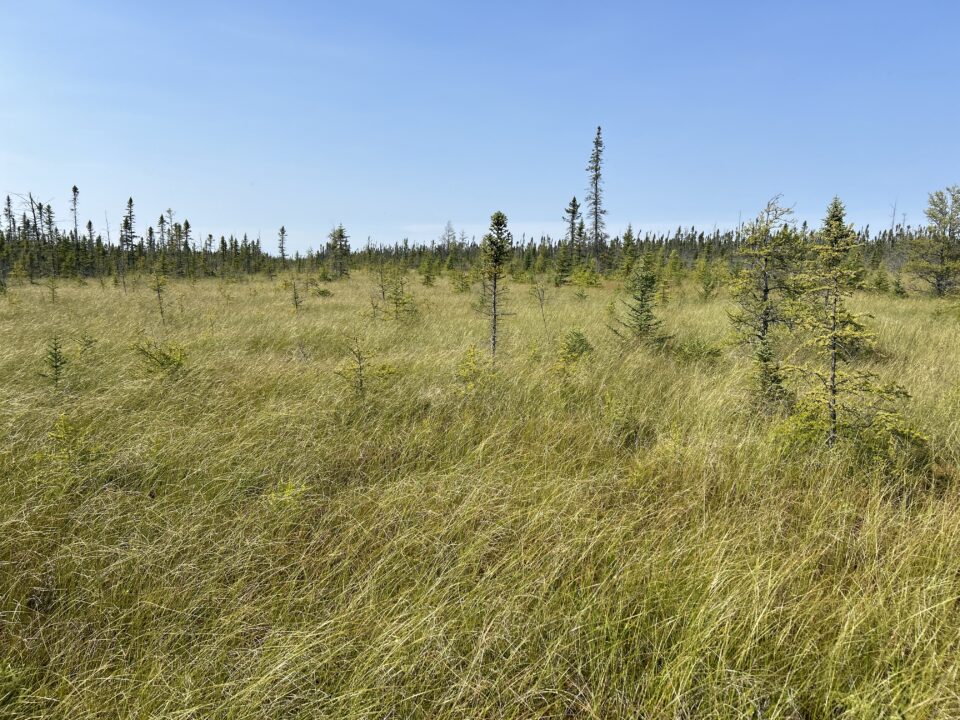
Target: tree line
[(35, 243)]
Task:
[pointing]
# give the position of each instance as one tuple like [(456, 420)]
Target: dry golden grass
[(247, 538)]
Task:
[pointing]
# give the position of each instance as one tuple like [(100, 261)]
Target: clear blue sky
[(393, 118)]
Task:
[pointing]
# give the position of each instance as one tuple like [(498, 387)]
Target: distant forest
[(36, 243)]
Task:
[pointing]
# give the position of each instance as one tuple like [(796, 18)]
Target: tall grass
[(246, 537)]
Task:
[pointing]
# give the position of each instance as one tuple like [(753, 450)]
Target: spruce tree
[(495, 254), (74, 196), (639, 320), (282, 247), (563, 265), (128, 228), (571, 218), (707, 281), (842, 399), (55, 360), (158, 282), (629, 250), (762, 289), (339, 250), (595, 209)]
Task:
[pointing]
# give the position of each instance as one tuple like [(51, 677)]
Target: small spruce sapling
[(354, 370), (575, 346), (161, 358), (53, 285), (158, 282), (539, 292), (707, 281), (297, 299), (55, 360), (639, 321)]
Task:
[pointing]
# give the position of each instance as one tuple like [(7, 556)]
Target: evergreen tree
[(128, 228), (74, 196), (629, 250), (158, 283), (495, 254), (707, 282), (571, 217), (282, 247), (761, 290), (339, 250), (639, 319), (595, 207), (842, 397), (675, 267), (563, 265)]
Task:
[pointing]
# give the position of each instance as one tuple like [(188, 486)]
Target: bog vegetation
[(684, 475)]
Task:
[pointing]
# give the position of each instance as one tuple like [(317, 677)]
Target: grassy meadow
[(242, 534)]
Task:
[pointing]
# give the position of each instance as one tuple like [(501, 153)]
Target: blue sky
[(393, 118)]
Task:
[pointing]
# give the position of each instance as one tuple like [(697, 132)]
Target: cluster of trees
[(789, 283), (789, 287), (34, 244)]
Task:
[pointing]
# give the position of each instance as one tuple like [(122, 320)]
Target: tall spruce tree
[(571, 218), (629, 241), (282, 247), (128, 227), (74, 196)]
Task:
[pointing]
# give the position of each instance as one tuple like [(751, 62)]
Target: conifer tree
[(55, 360), (595, 209), (842, 398), (339, 249), (282, 247), (128, 228), (707, 282), (297, 300), (571, 217), (158, 283), (761, 290), (675, 267), (629, 250), (639, 320), (495, 254), (935, 253), (564, 264), (74, 196)]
